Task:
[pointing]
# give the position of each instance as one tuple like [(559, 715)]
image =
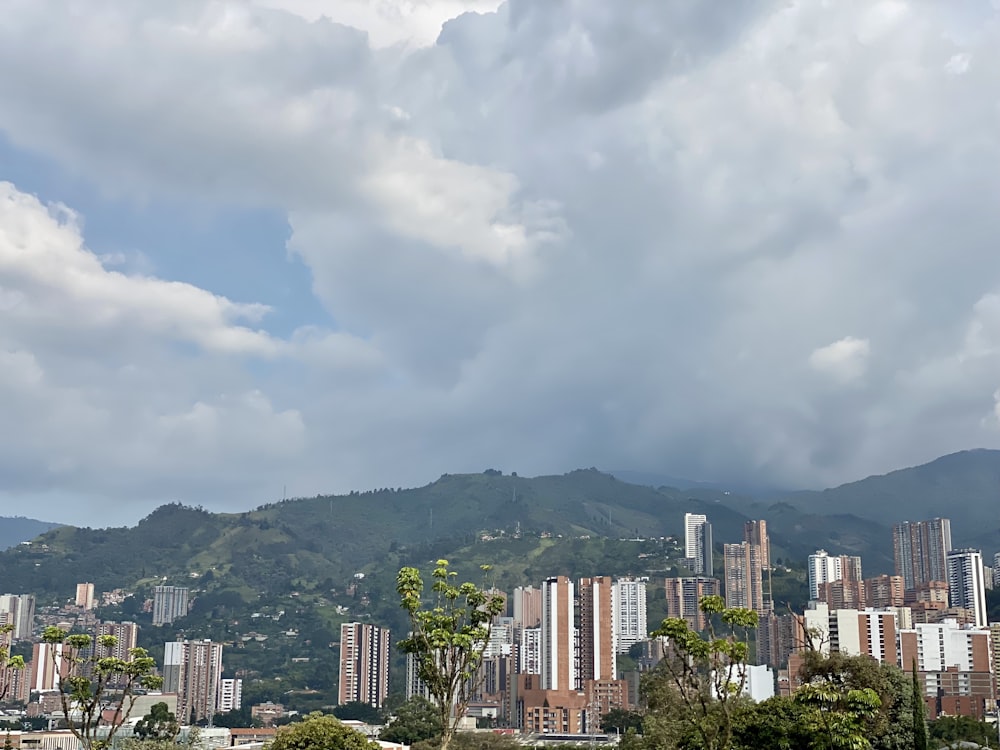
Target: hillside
[(285, 545), (15, 530), (964, 487)]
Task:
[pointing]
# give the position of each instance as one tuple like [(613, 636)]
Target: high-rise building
[(884, 591), (126, 635), (698, 543), (48, 666), (747, 568), (364, 664), (597, 632), (85, 595), (169, 603), (827, 568), (630, 599), (526, 606), (683, 597), (954, 666), (557, 649), (414, 685), (193, 670), (966, 588), (529, 653), (230, 695), (921, 549), (21, 614)]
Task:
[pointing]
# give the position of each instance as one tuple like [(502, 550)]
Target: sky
[(251, 250)]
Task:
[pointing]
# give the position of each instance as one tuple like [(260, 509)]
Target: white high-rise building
[(230, 695), (558, 650), (630, 612), (823, 568), (698, 543), (530, 653), (21, 611), (966, 587), (169, 603)]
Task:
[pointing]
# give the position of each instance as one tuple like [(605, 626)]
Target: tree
[(320, 731), (919, 712), (891, 726), (777, 724), (695, 690), (159, 724), (416, 720), (838, 717), (448, 638), (93, 682), (620, 721), (8, 663), (358, 711)]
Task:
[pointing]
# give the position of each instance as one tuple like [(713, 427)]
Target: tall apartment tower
[(598, 642), (85, 595), (698, 543), (557, 650), (169, 603), (630, 600), (921, 549), (747, 568), (526, 607), (364, 664), (827, 568), (48, 666), (683, 597), (20, 609), (193, 670), (126, 633), (966, 586)]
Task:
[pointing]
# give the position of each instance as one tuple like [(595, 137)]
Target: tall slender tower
[(364, 664), (630, 620), (921, 549), (598, 642), (748, 570), (558, 639), (193, 670), (698, 543), (966, 586)]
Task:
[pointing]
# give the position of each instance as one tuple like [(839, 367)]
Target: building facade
[(169, 603), (683, 596), (364, 664), (630, 615), (698, 543), (557, 648), (921, 549), (598, 643), (193, 670), (966, 584)]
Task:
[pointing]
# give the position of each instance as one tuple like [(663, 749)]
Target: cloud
[(845, 360), (562, 234)]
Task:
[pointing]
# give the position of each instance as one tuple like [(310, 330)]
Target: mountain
[(664, 480), (295, 543), (18, 529), (964, 487)]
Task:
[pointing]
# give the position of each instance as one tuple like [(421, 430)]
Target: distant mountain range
[(329, 536), (15, 530)]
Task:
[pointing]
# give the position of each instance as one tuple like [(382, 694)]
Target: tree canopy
[(319, 731)]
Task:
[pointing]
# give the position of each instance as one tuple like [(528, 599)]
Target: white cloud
[(563, 234), (845, 360)]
